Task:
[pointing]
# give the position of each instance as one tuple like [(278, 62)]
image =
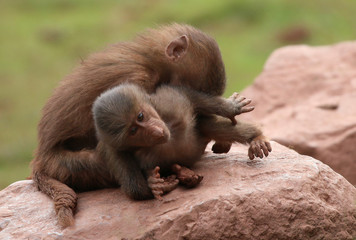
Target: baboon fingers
[(264, 148), (176, 168), (247, 109), (188, 178), (158, 189), (259, 147), (191, 181), (234, 96), (171, 178), (240, 105), (165, 186), (155, 172), (255, 150), (240, 99), (157, 194), (246, 102), (250, 153), (170, 186), (233, 120), (269, 147), (154, 180)]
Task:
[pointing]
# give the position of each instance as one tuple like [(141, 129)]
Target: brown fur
[(67, 143), (172, 110)]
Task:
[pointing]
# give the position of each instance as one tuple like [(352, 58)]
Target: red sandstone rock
[(306, 99), (286, 196)]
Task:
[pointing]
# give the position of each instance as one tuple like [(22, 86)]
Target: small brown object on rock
[(221, 147), (186, 176)]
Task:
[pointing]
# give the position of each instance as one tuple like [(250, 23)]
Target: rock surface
[(286, 196), (306, 99)]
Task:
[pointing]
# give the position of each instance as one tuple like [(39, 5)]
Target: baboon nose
[(158, 132), (160, 135)]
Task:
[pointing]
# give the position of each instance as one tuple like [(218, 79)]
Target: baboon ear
[(177, 48)]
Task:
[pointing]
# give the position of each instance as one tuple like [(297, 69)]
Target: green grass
[(41, 41)]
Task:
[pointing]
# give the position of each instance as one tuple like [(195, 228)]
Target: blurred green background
[(42, 40)]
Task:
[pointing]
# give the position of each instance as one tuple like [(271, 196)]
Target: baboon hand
[(186, 176), (240, 105), (259, 146), (160, 186)]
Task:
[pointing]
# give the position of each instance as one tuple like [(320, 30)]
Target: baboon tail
[(65, 199)]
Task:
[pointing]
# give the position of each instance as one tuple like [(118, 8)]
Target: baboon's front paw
[(240, 103), (160, 186), (186, 176), (238, 106), (259, 146)]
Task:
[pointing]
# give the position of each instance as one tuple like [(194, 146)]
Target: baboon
[(140, 134), (66, 157)]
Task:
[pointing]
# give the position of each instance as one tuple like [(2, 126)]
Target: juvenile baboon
[(65, 158), (140, 134)]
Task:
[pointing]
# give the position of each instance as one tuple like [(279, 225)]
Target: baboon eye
[(133, 130), (140, 117)]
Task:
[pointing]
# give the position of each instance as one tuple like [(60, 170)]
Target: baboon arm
[(205, 104), (127, 172), (220, 129)]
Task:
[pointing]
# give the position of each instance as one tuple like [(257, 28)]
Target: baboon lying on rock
[(140, 134)]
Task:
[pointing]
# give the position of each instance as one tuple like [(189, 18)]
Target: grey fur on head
[(110, 117)]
